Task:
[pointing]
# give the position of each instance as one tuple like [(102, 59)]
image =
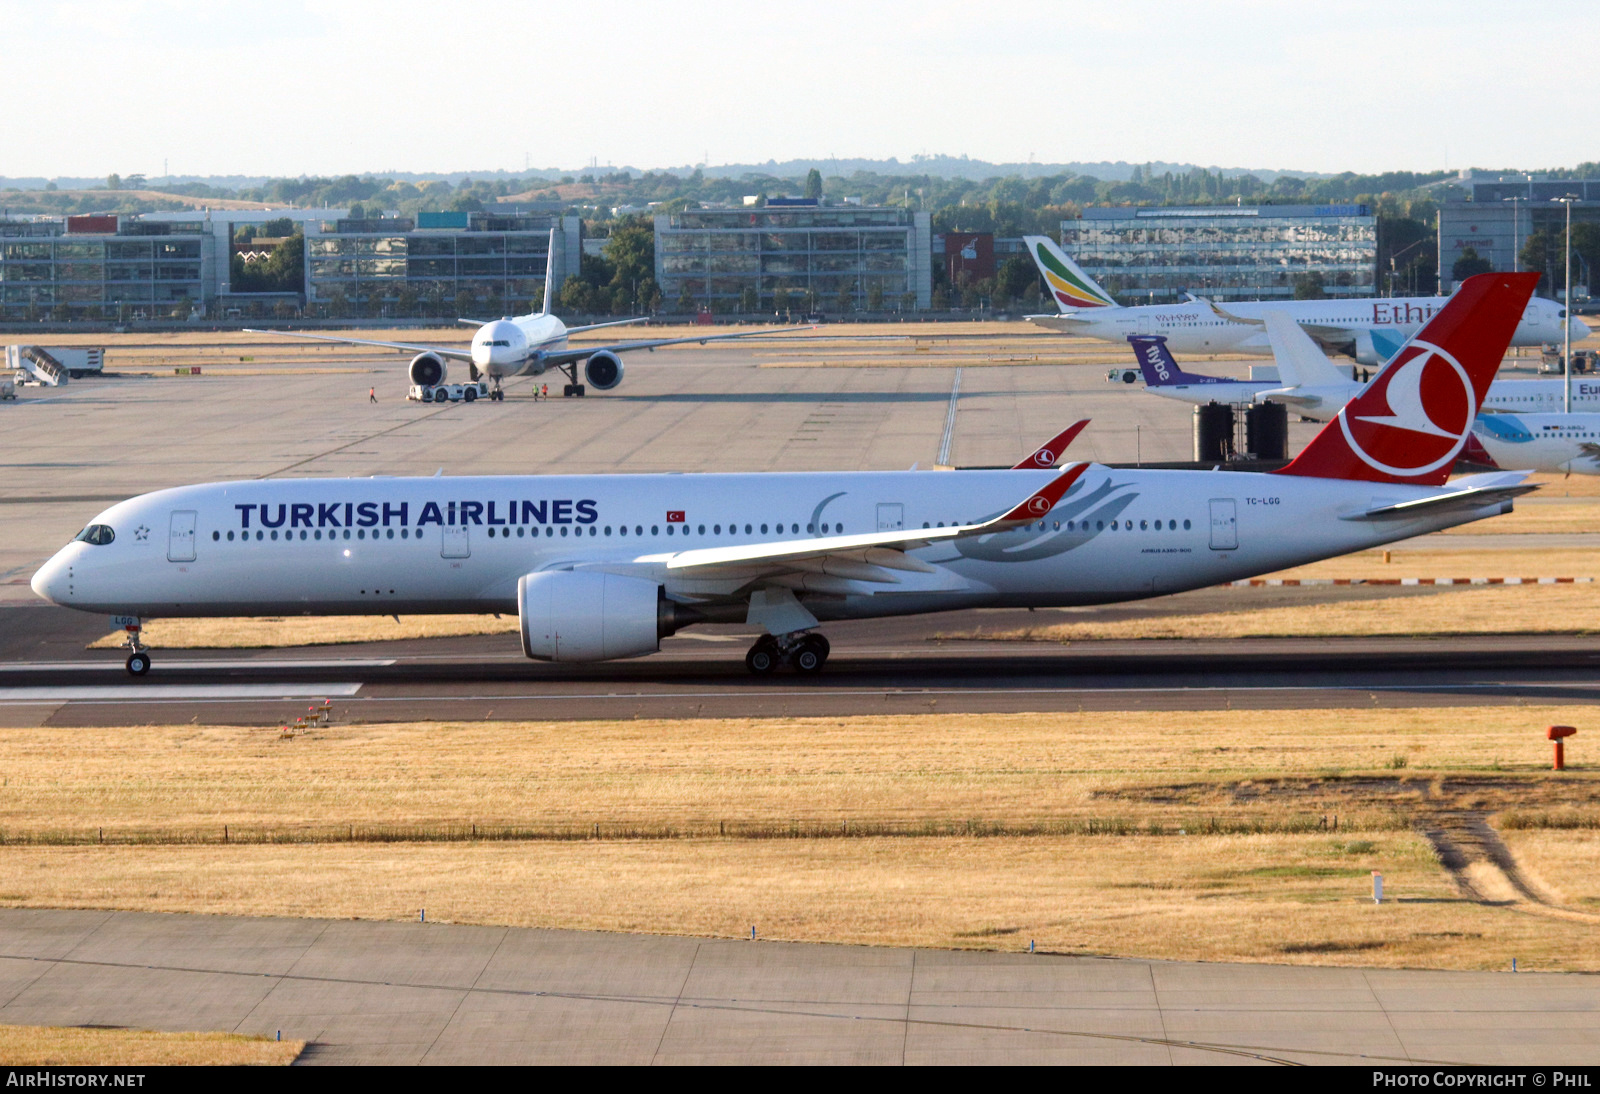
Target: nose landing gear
[(138, 652), (805, 652)]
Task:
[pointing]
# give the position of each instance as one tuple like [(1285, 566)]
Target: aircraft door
[(1224, 524), (1146, 325), (455, 542), (891, 516), (180, 536)]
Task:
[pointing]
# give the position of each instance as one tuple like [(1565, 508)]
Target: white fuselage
[(1194, 327), (1562, 443), (1322, 402), (512, 347), (382, 546)]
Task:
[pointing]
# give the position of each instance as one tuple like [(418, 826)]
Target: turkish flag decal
[(674, 516)]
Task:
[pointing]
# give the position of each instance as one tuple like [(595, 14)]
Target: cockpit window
[(97, 534)]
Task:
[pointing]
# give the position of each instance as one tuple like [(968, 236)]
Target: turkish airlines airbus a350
[(602, 566), (528, 345)]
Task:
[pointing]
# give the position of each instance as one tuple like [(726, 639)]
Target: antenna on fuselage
[(549, 273)]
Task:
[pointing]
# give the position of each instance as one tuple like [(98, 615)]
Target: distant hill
[(948, 167)]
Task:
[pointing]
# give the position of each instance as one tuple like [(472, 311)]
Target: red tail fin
[(1047, 456), (1411, 421)]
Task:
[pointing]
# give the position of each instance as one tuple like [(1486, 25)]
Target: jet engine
[(577, 615), (603, 370), (427, 369)]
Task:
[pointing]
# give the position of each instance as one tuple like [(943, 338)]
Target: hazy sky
[(326, 86)]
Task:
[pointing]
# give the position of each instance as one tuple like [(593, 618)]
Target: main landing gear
[(573, 390), (138, 652), (805, 651)]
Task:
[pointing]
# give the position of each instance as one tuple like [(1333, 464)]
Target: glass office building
[(1155, 255), (478, 260), (102, 268), (875, 257)]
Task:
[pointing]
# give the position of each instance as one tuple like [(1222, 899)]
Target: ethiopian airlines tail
[(1160, 368), (1410, 423), (1072, 289)]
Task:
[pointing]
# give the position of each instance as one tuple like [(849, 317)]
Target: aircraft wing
[(568, 356), (1322, 332), (405, 347), (612, 323), (1066, 323), (872, 557)]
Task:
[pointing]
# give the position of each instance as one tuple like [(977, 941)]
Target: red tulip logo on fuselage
[(1039, 505), (1419, 418)]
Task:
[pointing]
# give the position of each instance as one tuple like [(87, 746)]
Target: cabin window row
[(827, 528)]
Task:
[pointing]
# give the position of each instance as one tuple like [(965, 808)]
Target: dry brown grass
[(1523, 609), (70, 1046), (1416, 559), (907, 770), (1537, 518), (262, 632), (1283, 894), (1296, 899)]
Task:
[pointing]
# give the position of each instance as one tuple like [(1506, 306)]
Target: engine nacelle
[(603, 371), (428, 369), (578, 615)]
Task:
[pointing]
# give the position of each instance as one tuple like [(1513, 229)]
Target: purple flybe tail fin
[(1159, 369)]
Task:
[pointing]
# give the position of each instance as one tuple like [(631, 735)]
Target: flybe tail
[(1073, 289), (1412, 421), (1158, 365)]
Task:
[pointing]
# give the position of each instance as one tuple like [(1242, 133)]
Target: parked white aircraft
[(602, 566), (528, 345), (1369, 330), (1312, 385), (1568, 443)]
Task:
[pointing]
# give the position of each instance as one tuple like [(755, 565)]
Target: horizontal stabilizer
[(1472, 492)]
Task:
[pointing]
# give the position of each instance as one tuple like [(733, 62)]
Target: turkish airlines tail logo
[(1411, 422)]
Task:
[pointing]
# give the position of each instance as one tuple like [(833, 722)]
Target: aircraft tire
[(763, 657), (812, 653), (470, 395), (138, 663)]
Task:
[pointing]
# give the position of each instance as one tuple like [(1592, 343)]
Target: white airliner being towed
[(529, 345), (602, 566), (1369, 330)]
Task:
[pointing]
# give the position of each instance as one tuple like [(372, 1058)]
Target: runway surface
[(406, 993), (893, 666)]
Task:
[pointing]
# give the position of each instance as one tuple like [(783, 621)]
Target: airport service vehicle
[(1369, 330), (1316, 388), (529, 345), (449, 393), (1568, 443), (56, 364), (8, 388), (599, 567)]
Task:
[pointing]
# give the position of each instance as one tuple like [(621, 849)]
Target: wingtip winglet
[(1045, 500)]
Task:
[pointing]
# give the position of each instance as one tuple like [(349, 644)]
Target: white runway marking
[(123, 693)]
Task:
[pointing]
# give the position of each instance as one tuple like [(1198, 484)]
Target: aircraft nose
[(50, 582), (1580, 329)]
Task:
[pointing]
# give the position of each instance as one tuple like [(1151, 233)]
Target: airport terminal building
[(879, 257), (1500, 214), (1144, 255), (106, 267), (474, 262)]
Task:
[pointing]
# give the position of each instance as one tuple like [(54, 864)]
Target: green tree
[(813, 184), (1309, 286), (846, 302), (631, 252), (685, 298), (1469, 264), (113, 182), (875, 298), (466, 304), (358, 211)]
